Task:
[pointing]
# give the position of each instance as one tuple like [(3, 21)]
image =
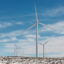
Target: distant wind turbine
[(43, 48)]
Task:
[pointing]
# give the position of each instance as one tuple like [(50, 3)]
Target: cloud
[(56, 27), (54, 12), (8, 39), (11, 34), (54, 47), (19, 23), (9, 24), (5, 24), (30, 36)]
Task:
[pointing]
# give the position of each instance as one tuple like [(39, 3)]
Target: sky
[(18, 15)]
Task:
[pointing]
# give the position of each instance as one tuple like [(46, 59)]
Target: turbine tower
[(36, 32), (15, 50)]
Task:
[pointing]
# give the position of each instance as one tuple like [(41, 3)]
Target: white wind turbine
[(43, 45), (37, 23)]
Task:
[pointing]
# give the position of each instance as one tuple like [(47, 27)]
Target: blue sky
[(17, 15)]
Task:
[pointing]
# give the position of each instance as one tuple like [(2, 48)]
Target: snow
[(19, 60)]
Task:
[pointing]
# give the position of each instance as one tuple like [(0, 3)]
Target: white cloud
[(56, 27), (4, 40), (13, 38), (30, 36), (55, 44), (54, 12), (5, 24), (8, 24), (19, 23), (11, 34)]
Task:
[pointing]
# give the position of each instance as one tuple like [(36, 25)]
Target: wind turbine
[(16, 47), (6, 46), (15, 50), (37, 23), (43, 45)]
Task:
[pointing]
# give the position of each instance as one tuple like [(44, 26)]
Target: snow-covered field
[(27, 60)]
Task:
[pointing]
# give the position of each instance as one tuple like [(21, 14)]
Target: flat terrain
[(30, 60)]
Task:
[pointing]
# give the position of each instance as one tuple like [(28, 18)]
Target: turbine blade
[(43, 43), (47, 26), (36, 14), (46, 42), (40, 43), (29, 28)]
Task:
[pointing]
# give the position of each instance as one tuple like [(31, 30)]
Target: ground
[(30, 60)]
